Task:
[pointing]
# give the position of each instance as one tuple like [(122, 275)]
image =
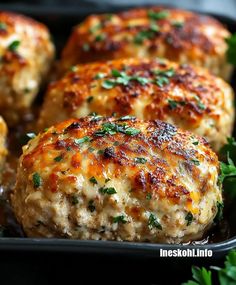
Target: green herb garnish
[(37, 180), (82, 140), (149, 196), (231, 51), (3, 26), (93, 180), (14, 45), (109, 190), (58, 158), (119, 219), (111, 129), (141, 160), (195, 162), (74, 200), (158, 15), (153, 223), (189, 218)]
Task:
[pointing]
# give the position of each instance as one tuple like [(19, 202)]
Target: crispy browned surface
[(26, 54), (180, 36), (191, 98)]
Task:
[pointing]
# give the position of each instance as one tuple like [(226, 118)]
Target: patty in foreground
[(186, 96), (175, 34), (117, 179)]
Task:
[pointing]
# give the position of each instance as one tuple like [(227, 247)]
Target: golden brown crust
[(26, 54), (189, 97), (171, 33), (107, 178)]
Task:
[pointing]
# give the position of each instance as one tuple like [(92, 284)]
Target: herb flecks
[(140, 160), (93, 180), (119, 219), (158, 15), (112, 129), (13, 46), (108, 190), (153, 223), (189, 218), (37, 180), (82, 140), (122, 78)]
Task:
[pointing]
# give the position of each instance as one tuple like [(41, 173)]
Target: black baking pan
[(60, 23)]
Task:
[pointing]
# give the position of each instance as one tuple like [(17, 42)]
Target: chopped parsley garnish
[(189, 218), (99, 75), (146, 34), (174, 104), (95, 117), (141, 160), (58, 158), (162, 76), (93, 180), (91, 149), (89, 99), (195, 162), (100, 151), (14, 45), (153, 223), (74, 200), (158, 15), (109, 190), (177, 24), (116, 143), (82, 140), (100, 37), (37, 180), (107, 180), (231, 51), (195, 142), (199, 103), (91, 206), (111, 129), (86, 47), (119, 219), (3, 26), (149, 196), (121, 78)]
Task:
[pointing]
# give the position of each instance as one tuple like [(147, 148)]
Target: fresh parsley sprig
[(231, 51), (226, 275)]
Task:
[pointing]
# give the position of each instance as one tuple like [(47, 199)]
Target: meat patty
[(117, 179), (188, 97), (3, 150), (174, 34), (26, 54)]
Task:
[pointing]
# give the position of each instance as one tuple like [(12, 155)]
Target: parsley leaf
[(93, 180), (14, 45), (231, 51), (109, 190), (153, 223), (111, 129), (82, 140), (119, 219), (189, 218), (200, 276), (158, 15), (227, 170), (58, 158), (37, 180), (141, 160)]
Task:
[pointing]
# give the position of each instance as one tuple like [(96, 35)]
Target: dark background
[(46, 269)]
